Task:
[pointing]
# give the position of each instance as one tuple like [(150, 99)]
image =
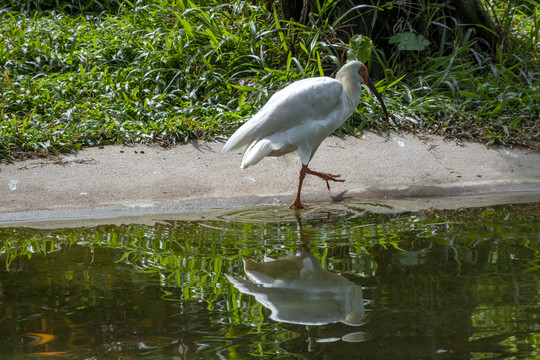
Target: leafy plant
[(164, 71)]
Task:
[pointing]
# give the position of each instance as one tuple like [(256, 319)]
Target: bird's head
[(363, 72)]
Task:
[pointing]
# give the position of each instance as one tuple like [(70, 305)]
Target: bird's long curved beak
[(378, 96)]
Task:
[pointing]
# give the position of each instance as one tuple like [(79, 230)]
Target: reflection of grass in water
[(204, 246), (197, 252), (251, 233), (431, 270)]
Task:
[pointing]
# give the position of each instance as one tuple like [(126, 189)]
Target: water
[(348, 283)]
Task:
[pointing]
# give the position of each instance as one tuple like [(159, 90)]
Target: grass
[(165, 71)]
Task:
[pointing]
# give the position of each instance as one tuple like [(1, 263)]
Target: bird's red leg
[(305, 170), (297, 203)]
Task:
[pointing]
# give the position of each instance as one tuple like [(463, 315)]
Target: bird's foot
[(297, 205), (333, 178), (326, 177)]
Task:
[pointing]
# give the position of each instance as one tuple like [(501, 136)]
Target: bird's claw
[(332, 177), (297, 205)]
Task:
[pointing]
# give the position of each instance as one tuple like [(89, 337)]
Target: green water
[(348, 283)]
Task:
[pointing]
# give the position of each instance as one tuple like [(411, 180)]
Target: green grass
[(167, 71)]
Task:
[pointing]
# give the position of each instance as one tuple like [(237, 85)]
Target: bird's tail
[(255, 152), (240, 138)]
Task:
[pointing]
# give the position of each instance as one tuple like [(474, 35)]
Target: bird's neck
[(353, 92)]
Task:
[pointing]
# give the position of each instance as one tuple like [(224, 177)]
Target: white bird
[(300, 117)]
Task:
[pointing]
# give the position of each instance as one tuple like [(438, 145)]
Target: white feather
[(299, 117)]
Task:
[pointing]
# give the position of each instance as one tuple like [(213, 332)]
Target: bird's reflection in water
[(297, 290)]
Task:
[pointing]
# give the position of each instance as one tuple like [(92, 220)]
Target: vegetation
[(87, 73)]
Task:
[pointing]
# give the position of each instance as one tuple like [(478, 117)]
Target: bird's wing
[(305, 100)]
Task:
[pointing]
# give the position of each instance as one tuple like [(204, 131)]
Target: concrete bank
[(126, 181)]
